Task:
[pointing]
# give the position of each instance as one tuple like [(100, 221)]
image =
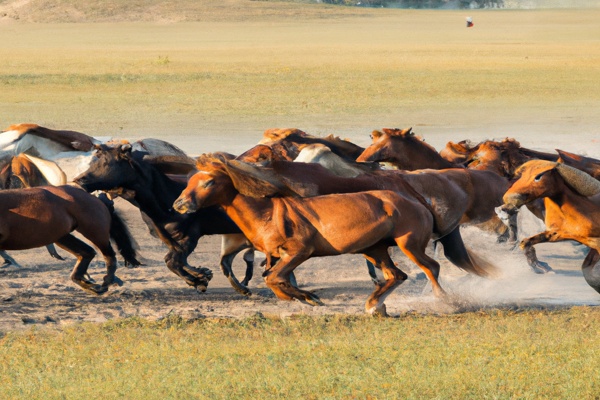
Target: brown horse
[(39, 216), (292, 230), (572, 202), (21, 171)]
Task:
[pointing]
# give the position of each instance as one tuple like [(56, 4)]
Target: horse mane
[(213, 159), (582, 182), (252, 181)]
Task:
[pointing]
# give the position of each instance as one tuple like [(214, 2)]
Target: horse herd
[(293, 196)]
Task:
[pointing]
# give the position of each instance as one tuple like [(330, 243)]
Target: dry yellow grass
[(385, 68)]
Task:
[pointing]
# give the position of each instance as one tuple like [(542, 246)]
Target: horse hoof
[(116, 281), (378, 311), (201, 287), (314, 300)]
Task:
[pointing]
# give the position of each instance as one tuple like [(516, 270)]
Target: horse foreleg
[(277, 279), (84, 255), (196, 277), (527, 246), (380, 258)]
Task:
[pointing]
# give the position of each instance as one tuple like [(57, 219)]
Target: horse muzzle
[(184, 206)]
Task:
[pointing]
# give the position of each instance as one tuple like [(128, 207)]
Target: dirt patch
[(41, 293)]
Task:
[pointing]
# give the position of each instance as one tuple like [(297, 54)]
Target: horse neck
[(426, 159), (155, 192), (569, 203), (249, 213)]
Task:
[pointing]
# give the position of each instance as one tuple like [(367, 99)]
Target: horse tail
[(120, 234), (457, 254)]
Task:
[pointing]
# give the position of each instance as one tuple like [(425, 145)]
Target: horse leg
[(277, 279), (415, 251), (590, 272), (53, 253), (84, 255), (527, 246), (231, 245), (8, 260), (380, 258), (196, 277)]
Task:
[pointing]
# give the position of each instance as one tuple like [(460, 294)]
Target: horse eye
[(209, 183), (537, 178)]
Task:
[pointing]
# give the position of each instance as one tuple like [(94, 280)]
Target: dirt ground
[(42, 294)]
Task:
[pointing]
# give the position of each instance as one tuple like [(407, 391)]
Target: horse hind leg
[(231, 245), (84, 255), (8, 260), (416, 253), (380, 258)]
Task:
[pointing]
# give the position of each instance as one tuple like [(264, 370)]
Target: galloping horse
[(285, 178), (572, 202), (292, 230), (154, 193), (39, 216)]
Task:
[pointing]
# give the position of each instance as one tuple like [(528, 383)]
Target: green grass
[(398, 65), (497, 354)]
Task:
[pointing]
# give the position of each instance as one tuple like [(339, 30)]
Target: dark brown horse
[(572, 202), (292, 230), (39, 216), (153, 192)]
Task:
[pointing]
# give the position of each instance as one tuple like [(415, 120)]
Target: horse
[(40, 216), (572, 202), (292, 140), (153, 192), (298, 179), (292, 230)]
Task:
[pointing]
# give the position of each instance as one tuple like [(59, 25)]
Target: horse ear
[(126, 148), (376, 134), (408, 132), (582, 182)]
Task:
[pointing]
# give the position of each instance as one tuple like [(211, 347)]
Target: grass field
[(484, 355), (382, 68)]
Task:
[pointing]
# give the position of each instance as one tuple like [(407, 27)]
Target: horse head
[(541, 178), (458, 153), (111, 167), (402, 148)]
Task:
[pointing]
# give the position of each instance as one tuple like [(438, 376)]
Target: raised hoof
[(201, 287), (313, 300), (199, 273), (378, 311)]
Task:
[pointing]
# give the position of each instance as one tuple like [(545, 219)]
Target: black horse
[(153, 192)]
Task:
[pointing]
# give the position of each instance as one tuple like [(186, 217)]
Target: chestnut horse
[(572, 202), (292, 230), (154, 192), (39, 216), (285, 178)]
